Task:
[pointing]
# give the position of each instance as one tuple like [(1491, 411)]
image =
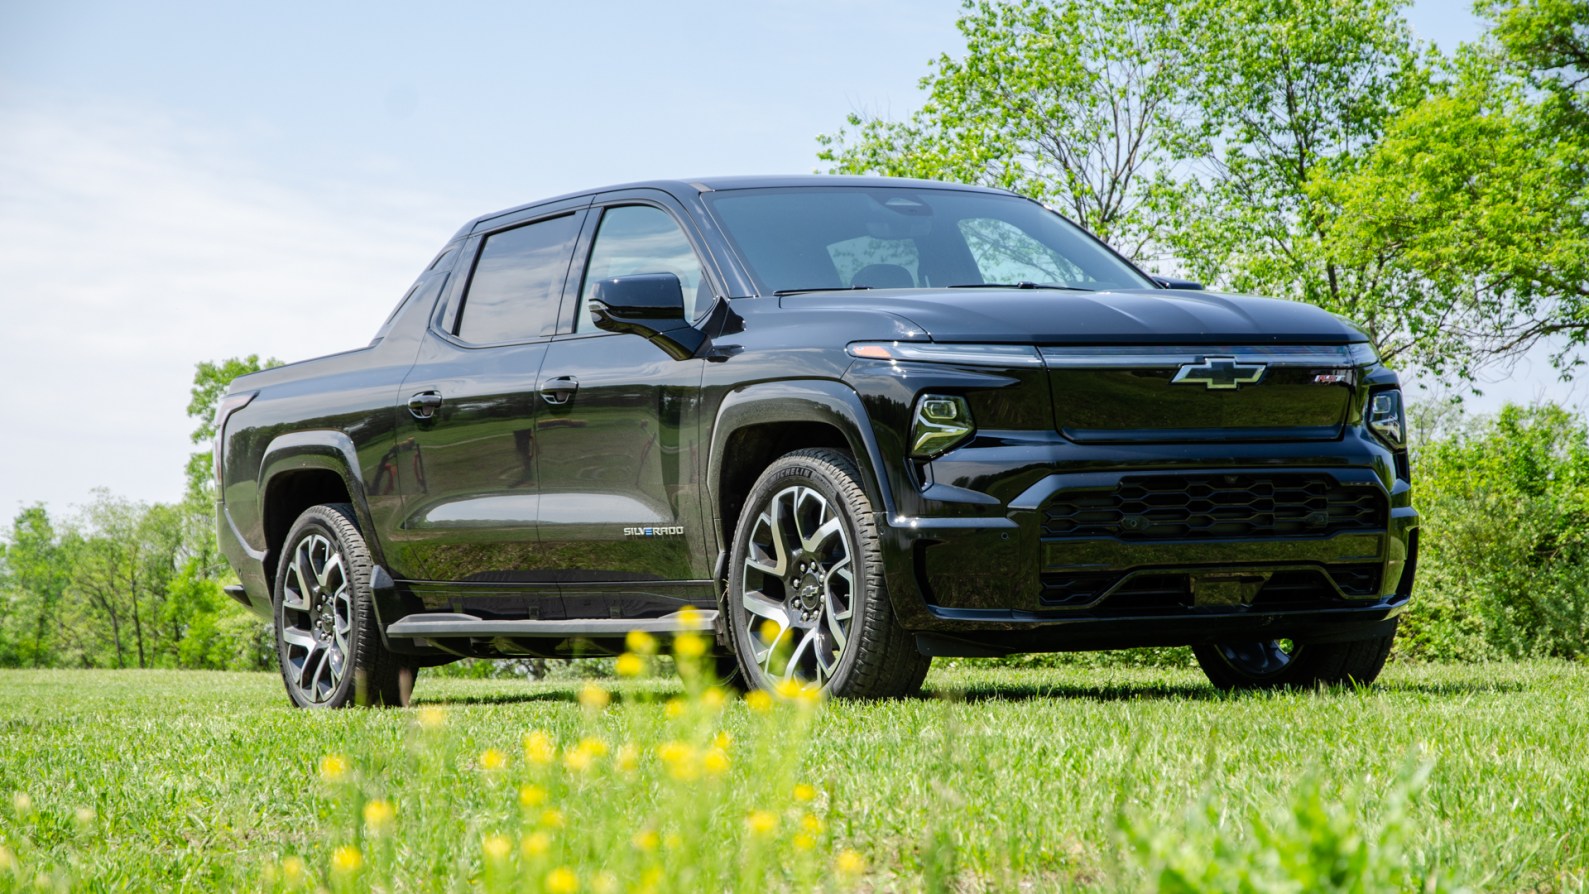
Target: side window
[(642, 239), (1004, 253), (424, 292), (517, 282)]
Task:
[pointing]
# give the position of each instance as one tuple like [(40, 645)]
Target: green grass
[(1002, 779)]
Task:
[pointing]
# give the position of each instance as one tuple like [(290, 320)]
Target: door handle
[(560, 390), (424, 404)]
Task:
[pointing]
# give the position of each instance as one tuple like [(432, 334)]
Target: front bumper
[(991, 577)]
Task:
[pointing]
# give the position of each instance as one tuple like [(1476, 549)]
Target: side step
[(443, 626)]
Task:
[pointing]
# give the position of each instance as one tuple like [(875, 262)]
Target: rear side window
[(517, 282)]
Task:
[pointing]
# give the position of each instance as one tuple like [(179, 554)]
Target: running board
[(443, 626)]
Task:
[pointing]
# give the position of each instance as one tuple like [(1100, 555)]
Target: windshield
[(864, 237)]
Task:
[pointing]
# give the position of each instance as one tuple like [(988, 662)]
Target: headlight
[(1386, 418), (941, 422)]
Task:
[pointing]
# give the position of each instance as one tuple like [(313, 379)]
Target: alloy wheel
[(316, 617)]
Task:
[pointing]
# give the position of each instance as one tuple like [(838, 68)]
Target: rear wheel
[(806, 597), (1284, 664), (328, 643)]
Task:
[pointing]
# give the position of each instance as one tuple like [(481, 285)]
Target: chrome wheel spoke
[(808, 643)]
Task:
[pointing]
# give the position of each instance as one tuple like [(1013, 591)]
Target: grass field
[(1032, 779)]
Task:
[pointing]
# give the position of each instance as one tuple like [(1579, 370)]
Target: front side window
[(641, 239), (518, 282)]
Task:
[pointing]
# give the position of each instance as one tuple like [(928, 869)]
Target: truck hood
[(1135, 316)]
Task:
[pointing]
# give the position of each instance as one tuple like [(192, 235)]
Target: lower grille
[(1213, 506), (1158, 593)]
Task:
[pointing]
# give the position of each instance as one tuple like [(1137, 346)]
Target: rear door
[(468, 411), (619, 437)]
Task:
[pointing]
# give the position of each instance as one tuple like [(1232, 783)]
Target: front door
[(619, 435)]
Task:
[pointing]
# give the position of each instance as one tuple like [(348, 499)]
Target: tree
[(210, 381), (34, 570), (1081, 103), (1481, 191)]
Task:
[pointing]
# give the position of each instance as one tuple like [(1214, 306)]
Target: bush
[(1505, 505)]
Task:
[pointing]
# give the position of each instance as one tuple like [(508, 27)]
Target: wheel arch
[(305, 469), (756, 425)]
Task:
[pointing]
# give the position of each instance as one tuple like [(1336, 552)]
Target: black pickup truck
[(842, 425)]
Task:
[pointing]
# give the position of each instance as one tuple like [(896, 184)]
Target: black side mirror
[(649, 305), (1170, 282)]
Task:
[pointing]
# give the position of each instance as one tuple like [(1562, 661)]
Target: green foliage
[(210, 381), (1318, 842), (1076, 103), (1504, 561)]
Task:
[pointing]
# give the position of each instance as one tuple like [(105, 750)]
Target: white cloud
[(133, 245)]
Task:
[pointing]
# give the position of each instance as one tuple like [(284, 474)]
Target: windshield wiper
[(782, 292), (1023, 284)]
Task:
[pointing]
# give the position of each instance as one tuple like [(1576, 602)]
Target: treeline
[(126, 584)]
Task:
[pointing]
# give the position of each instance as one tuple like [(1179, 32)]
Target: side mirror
[(650, 305), (1170, 282)]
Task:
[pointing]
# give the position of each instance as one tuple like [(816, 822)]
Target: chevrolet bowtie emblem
[(1219, 374)]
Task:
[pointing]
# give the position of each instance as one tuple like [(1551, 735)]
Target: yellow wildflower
[(630, 665), (531, 796), (536, 844), (788, 688), (689, 646), (293, 870), (849, 863), (689, 616), (758, 700), (595, 746), (682, 760), (593, 697), (577, 761), (562, 880), (804, 842), (804, 792), (496, 847), (674, 708), (539, 748), (715, 762), (811, 823), (762, 822), (628, 758), (722, 740), (646, 840), (346, 858), (552, 818), (714, 698), (378, 815), (640, 642), (492, 760), (432, 717), (769, 632), (333, 767), (809, 694)]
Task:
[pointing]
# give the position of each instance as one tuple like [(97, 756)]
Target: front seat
[(883, 276)]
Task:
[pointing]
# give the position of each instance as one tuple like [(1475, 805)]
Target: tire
[(328, 642), (806, 575), (1270, 664)]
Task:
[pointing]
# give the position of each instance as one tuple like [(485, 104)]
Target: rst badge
[(1219, 373)]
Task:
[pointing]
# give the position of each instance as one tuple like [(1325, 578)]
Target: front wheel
[(1287, 664), (327, 639), (806, 596)]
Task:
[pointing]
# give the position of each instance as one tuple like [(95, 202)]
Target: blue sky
[(187, 181)]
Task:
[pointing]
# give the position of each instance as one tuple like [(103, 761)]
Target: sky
[(190, 181)]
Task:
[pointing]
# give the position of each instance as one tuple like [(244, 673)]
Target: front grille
[(1207, 507)]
